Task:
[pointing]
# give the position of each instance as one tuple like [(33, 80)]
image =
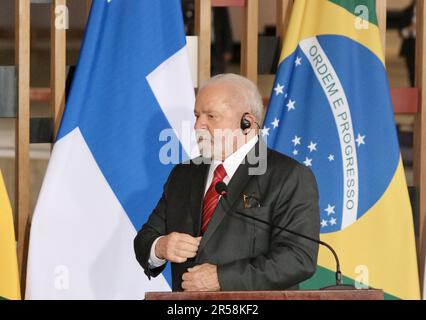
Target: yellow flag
[(9, 274)]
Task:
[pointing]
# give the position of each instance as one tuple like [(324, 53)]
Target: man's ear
[(248, 123), (253, 121)]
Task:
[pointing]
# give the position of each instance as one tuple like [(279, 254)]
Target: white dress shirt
[(231, 165)]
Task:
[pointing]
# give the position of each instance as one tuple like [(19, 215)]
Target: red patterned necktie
[(212, 197)]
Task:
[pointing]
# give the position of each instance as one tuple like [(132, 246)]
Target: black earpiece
[(245, 124)]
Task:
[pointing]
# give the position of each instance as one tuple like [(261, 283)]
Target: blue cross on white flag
[(105, 176)]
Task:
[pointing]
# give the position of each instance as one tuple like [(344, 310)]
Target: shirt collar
[(232, 163)]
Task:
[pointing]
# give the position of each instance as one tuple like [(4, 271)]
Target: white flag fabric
[(104, 177)]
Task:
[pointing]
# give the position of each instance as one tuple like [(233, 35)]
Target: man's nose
[(200, 124)]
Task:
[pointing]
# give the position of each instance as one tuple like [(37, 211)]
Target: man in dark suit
[(212, 248)]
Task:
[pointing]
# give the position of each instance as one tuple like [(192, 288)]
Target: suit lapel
[(235, 189)]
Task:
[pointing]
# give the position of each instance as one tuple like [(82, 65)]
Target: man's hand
[(201, 278), (177, 247)]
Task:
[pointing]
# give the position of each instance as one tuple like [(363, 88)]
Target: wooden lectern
[(270, 295)]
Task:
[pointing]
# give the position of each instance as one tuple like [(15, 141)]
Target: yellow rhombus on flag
[(331, 110), (9, 274)]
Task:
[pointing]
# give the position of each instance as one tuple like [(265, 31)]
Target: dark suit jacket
[(249, 255)]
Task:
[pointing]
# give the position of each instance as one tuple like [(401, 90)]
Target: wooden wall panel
[(57, 67), (203, 22), (420, 133), (249, 41), (22, 61)]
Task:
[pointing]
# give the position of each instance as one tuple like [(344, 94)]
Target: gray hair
[(247, 92)]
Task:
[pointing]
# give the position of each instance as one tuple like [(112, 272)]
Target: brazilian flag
[(330, 109)]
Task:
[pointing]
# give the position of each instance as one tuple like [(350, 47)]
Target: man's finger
[(190, 239), (177, 259), (188, 286), (184, 285), (196, 268), (185, 253), (186, 246), (187, 276)]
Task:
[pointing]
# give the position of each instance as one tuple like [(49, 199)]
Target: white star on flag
[(295, 152), (330, 210), (279, 89), (324, 224), (296, 140), (312, 147), (265, 131), (276, 123), (331, 157), (308, 162), (291, 105), (360, 140), (333, 222), (298, 61)]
